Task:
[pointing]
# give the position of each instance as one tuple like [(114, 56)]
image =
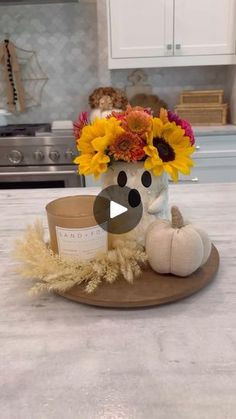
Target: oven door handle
[(48, 173)]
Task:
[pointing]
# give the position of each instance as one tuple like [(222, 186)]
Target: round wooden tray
[(149, 290)]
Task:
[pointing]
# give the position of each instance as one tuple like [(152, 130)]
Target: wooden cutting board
[(149, 290)]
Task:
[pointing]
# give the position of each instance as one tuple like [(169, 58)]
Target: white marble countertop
[(59, 359)]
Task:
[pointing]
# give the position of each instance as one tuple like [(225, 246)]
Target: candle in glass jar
[(73, 229)]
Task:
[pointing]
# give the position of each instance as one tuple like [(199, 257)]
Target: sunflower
[(168, 149), (99, 135), (93, 144)]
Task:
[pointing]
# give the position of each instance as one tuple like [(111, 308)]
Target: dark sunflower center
[(165, 151)]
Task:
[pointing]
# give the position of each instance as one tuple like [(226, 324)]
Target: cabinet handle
[(177, 46), (37, 172), (193, 180), (197, 147), (169, 46)]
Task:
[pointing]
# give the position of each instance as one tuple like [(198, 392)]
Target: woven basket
[(197, 97), (204, 114)]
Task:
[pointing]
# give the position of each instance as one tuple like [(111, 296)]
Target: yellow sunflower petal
[(164, 115), (148, 164), (150, 150), (85, 146), (76, 160), (98, 163), (182, 167), (176, 135), (149, 137), (83, 159), (100, 158), (84, 164), (157, 170), (100, 143), (113, 128), (184, 147), (173, 172), (157, 127)]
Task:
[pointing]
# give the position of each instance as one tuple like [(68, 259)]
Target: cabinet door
[(204, 27), (139, 28), (215, 145), (212, 170)]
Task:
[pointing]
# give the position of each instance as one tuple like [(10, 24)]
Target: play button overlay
[(118, 210)]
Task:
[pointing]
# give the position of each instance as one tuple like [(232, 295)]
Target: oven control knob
[(69, 155), (54, 155), (15, 156), (38, 155)]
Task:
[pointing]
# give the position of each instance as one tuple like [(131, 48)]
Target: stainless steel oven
[(39, 177), (42, 160)]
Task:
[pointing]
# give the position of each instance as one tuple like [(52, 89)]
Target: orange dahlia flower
[(137, 121), (127, 147)]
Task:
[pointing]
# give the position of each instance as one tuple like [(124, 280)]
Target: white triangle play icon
[(116, 209)]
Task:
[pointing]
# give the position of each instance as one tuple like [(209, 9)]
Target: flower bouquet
[(163, 143)]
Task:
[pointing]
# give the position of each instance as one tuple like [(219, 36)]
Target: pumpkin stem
[(177, 219)]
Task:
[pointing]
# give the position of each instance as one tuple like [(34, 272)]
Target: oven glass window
[(32, 185)]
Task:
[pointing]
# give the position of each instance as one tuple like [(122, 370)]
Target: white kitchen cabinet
[(215, 159), (137, 32), (212, 170), (163, 33), (204, 27)]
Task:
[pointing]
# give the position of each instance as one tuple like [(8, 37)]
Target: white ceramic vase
[(154, 197)]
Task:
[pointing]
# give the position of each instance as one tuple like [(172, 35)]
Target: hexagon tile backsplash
[(65, 39)]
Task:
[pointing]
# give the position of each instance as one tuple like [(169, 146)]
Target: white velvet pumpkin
[(175, 247)]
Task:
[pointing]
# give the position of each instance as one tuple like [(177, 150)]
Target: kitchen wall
[(71, 43), (65, 39)]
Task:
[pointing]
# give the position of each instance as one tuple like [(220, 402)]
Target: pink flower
[(83, 119), (118, 115), (173, 117)]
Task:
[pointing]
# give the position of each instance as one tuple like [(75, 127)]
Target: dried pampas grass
[(54, 273)]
